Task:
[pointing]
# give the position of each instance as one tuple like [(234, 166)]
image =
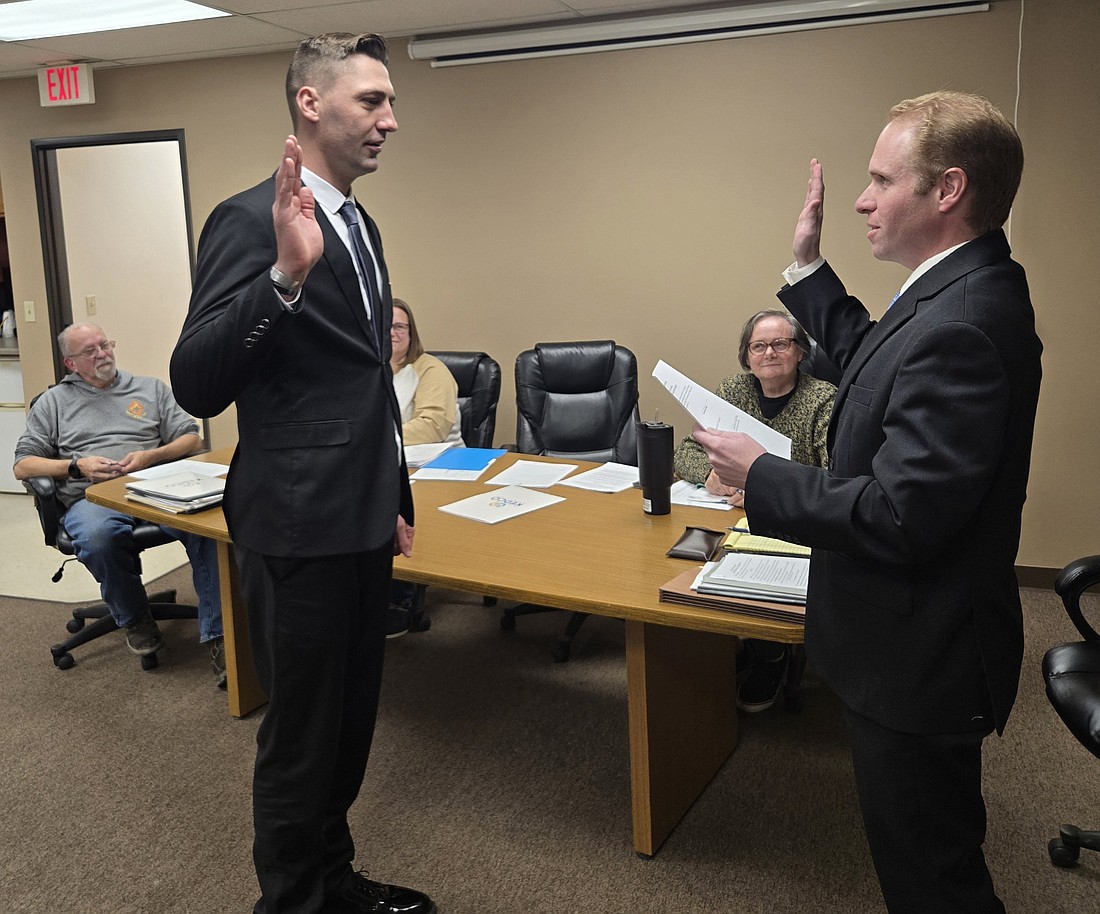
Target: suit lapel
[(978, 253), (339, 261)]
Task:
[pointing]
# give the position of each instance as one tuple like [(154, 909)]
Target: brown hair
[(801, 339), (316, 58), (416, 348), (960, 130)]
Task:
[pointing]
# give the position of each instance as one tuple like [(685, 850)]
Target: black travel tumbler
[(655, 466)]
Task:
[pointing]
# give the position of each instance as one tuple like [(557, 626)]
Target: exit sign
[(69, 84)]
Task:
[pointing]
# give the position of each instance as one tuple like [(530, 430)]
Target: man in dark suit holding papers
[(913, 611), (290, 319)]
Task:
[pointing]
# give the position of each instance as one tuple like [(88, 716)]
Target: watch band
[(284, 283), (74, 470)]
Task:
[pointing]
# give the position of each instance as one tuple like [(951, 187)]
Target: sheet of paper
[(531, 474), (170, 469), (689, 494), (711, 411), (501, 504), (611, 477), (416, 455)]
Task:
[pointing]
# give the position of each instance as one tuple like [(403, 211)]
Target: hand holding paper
[(731, 454), (711, 411)]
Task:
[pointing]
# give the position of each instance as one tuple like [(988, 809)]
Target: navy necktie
[(366, 267)]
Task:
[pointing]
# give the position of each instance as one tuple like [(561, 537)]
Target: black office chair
[(478, 377), (818, 365), (146, 535), (1072, 674), (577, 400)]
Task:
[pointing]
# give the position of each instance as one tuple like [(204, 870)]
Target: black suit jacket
[(913, 613), (317, 470)]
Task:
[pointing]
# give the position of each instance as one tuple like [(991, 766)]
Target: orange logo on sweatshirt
[(136, 410)]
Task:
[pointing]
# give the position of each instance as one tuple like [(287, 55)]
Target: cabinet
[(13, 415)]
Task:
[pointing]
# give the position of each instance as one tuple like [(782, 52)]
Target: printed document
[(610, 477), (711, 411)]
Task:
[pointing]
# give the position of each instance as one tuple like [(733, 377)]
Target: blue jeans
[(104, 544)]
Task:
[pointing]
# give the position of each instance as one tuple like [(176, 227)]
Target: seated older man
[(97, 424)]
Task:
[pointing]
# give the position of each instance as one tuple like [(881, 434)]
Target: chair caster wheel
[(149, 662), (561, 654), (74, 625), (420, 624), (507, 623), (62, 659), (1061, 855)]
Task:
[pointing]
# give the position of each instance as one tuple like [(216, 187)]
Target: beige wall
[(144, 185), (649, 196)]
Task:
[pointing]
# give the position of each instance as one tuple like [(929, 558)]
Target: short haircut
[(316, 60), (63, 338), (416, 348), (960, 130), (801, 339)]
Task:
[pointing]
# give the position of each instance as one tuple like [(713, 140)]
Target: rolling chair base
[(564, 647), (162, 605), (1066, 848)]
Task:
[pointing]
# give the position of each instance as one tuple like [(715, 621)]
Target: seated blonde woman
[(426, 390), (428, 396), (774, 391)]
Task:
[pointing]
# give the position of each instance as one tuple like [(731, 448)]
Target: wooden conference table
[(593, 552)]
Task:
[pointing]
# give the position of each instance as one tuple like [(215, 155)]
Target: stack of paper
[(757, 577), (180, 493), (416, 455), (681, 590), (532, 474)]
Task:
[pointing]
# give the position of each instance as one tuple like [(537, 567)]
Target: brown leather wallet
[(698, 544)]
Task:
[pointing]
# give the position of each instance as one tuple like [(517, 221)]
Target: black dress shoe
[(361, 895)]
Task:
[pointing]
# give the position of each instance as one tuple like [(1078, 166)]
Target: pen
[(739, 529)]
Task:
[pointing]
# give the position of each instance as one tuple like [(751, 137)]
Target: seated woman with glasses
[(774, 391), (426, 390)]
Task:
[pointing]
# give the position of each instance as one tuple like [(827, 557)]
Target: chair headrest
[(580, 367)]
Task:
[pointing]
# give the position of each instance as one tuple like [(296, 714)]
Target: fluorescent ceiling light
[(27, 19), (556, 39)]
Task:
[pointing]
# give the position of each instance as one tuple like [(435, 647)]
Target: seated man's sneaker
[(361, 895), (397, 621), (143, 636), (217, 661)]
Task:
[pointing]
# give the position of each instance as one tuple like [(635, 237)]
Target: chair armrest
[(48, 505), (1072, 581)]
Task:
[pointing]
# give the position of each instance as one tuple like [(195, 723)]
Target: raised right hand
[(807, 231), (297, 232)]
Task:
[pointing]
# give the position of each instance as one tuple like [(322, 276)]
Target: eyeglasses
[(779, 346), (89, 351), (399, 329)]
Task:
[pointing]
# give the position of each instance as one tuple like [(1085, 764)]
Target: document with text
[(711, 411)]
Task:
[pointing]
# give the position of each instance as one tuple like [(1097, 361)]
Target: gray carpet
[(499, 783)]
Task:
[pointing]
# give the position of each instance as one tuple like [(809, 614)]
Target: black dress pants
[(923, 811), (317, 630)]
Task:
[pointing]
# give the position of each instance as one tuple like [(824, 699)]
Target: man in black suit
[(913, 611), (289, 318)]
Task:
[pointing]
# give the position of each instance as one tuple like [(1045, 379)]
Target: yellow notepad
[(739, 541)]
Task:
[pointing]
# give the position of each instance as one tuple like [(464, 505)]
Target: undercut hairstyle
[(801, 338), (416, 348), (317, 60), (960, 130)]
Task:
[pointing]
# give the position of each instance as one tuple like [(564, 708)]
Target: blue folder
[(465, 458)]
